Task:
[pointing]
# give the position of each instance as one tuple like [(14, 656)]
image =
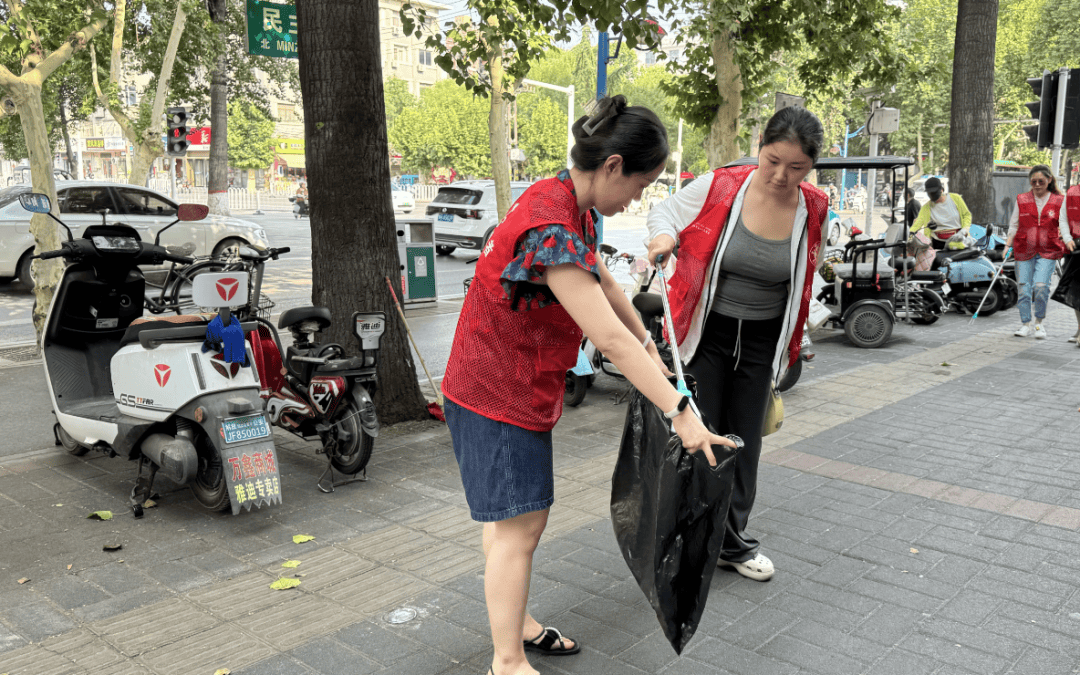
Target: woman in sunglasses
[(1039, 235)]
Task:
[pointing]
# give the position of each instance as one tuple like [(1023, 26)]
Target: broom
[(435, 409)]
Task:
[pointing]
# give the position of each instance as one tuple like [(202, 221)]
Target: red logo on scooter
[(161, 374), (225, 369), (226, 288)]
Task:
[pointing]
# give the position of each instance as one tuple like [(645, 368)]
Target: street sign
[(787, 100), (271, 29)]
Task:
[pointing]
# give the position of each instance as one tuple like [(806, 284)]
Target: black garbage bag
[(668, 509), (1068, 288)]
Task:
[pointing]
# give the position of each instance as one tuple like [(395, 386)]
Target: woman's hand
[(1070, 245), (1008, 243), (661, 245), (655, 355), (695, 437)]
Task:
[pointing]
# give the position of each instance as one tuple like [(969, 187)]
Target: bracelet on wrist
[(677, 410)]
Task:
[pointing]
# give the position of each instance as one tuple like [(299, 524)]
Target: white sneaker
[(1024, 331), (1040, 332), (758, 568), (1073, 338)]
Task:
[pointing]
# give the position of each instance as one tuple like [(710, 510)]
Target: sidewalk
[(920, 504)]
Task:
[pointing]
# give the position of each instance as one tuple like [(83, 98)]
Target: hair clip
[(594, 123)]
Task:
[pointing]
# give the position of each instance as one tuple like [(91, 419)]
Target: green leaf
[(285, 584), (301, 538), (291, 563), (100, 515)]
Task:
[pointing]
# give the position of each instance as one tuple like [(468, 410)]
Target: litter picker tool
[(434, 408), (991, 286), (680, 379)]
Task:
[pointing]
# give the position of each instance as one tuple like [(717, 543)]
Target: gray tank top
[(754, 276)]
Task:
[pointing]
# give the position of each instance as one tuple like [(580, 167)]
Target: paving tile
[(35, 622), (85, 649), (376, 590), (206, 652), (324, 567), (35, 660), (152, 626), (325, 655), (296, 620), (377, 643)]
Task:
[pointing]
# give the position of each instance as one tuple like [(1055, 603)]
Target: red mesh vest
[(1072, 208), (511, 365), (1038, 233), (698, 243)]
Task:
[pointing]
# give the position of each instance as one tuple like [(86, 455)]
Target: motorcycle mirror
[(35, 202), (186, 213), (189, 212)]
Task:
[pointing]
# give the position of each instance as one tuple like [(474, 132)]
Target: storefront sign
[(199, 139), (104, 144), (271, 29), (288, 146)]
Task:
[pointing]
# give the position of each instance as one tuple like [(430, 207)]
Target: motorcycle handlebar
[(51, 254), (183, 260)]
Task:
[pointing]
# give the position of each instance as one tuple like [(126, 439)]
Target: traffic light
[(1045, 87), (176, 143)]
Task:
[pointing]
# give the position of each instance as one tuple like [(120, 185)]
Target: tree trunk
[(72, 164), (46, 272), (918, 149), (971, 125), (218, 183), (354, 249), (500, 160), (722, 141), (141, 159)]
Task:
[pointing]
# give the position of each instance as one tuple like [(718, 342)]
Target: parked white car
[(403, 199), (465, 213), (81, 203)]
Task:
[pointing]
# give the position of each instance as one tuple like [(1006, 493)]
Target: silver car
[(82, 203)]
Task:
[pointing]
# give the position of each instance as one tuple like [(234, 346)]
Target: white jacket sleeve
[(1063, 224), (672, 215)]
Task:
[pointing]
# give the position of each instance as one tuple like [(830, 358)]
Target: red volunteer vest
[(1072, 208), (698, 242), (1038, 233), (509, 365)]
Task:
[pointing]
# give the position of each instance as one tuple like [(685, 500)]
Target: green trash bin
[(416, 254)]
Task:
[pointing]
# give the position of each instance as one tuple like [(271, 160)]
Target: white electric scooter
[(157, 390)]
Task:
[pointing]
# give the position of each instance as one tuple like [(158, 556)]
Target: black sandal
[(546, 642)]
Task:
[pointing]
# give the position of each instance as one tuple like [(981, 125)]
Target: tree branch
[(7, 78), (78, 40), (119, 17), (16, 9), (121, 118), (166, 72)]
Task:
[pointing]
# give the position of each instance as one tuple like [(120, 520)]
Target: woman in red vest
[(1039, 236), (749, 241), (1068, 289), (537, 287)]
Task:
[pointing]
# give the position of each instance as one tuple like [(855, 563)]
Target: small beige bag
[(774, 415)]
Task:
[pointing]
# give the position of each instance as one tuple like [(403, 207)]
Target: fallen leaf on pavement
[(914, 550), (291, 563), (24, 580), (112, 547), (149, 504), (101, 515), (946, 363), (222, 671), (69, 566), (301, 538), (57, 504), (285, 584)]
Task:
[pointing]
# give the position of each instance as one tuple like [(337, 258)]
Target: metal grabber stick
[(991, 286), (680, 379)]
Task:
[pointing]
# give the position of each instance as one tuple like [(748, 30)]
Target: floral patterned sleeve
[(540, 248)]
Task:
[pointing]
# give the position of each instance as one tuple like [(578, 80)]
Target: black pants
[(733, 371)]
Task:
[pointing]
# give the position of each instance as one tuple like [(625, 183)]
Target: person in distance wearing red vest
[(749, 243), (1039, 236), (1068, 289), (537, 287)]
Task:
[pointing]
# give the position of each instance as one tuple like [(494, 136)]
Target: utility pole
[(1059, 119), (871, 178), (678, 160)]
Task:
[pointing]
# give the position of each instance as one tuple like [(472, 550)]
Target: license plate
[(446, 217), (945, 288), (247, 428)]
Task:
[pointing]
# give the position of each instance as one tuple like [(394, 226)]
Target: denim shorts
[(506, 470)]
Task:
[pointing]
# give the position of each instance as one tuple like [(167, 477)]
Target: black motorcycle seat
[(897, 262), (649, 304), (153, 323), (927, 276), (966, 254), (291, 317)]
